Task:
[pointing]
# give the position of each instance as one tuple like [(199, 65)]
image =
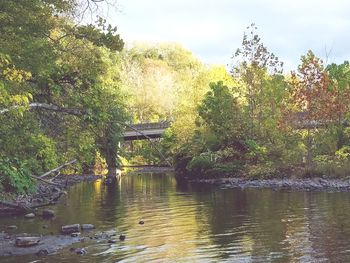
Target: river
[(192, 223)]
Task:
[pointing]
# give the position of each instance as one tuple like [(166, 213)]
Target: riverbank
[(305, 184), (45, 194)]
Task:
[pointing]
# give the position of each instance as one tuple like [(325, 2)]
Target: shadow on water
[(199, 223)]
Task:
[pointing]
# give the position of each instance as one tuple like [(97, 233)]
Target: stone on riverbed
[(47, 213), (68, 229), (42, 252), (27, 241), (111, 233), (80, 251), (75, 234), (87, 226), (29, 216)]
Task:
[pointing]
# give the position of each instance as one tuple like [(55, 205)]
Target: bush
[(199, 165), (223, 169), (338, 166), (262, 171), (15, 176), (255, 151)]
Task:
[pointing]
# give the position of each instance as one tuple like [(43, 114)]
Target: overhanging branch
[(45, 106)]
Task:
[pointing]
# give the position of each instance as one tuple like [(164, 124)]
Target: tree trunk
[(111, 164), (309, 155)]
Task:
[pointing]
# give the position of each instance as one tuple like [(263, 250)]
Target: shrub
[(255, 151), (223, 169), (199, 164), (337, 166), (15, 176), (262, 171)]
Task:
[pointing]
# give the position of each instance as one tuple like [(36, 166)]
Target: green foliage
[(200, 164), (48, 58), (260, 171), (14, 175), (332, 166), (102, 35), (219, 112), (256, 151), (224, 170)]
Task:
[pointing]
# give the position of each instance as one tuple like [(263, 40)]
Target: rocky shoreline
[(51, 244), (302, 184), (47, 195)]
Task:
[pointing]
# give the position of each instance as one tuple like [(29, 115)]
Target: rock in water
[(110, 233), (68, 229), (87, 226), (75, 234), (27, 241), (80, 251), (141, 222), (30, 215), (122, 237), (42, 253), (47, 213)]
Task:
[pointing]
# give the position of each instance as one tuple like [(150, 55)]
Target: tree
[(52, 62), (219, 112), (253, 64), (339, 76), (314, 98)]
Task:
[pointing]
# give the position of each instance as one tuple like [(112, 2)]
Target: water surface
[(199, 223)]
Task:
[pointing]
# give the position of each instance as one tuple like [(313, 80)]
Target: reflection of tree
[(82, 203), (258, 224), (226, 212), (329, 226), (111, 207)]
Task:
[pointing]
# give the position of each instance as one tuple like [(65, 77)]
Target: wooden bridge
[(145, 130)]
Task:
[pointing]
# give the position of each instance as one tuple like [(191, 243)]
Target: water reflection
[(185, 223)]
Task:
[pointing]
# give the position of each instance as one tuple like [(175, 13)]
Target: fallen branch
[(56, 175), (58, 168), (45, 181)]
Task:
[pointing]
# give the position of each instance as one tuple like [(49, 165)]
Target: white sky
[(213, 30)]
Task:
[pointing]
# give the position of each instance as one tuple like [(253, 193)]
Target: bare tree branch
[(58, 168)]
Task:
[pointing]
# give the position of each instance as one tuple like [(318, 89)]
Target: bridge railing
[(149, 126)]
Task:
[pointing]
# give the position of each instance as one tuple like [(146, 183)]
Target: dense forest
[(67, 88)]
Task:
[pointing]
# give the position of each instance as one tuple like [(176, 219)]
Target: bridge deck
[(145, 130)]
